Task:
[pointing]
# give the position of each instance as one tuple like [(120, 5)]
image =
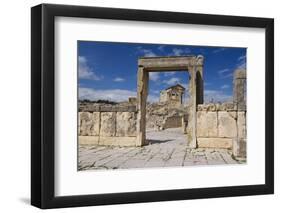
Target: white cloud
[(241, 62), (155, 91), (161, 48), (225, 86), (111, 94), (177, 51), (228, 75), (117, 95), (216, 96), (154, 76), (180, 51), (172, 81), (223, 71), (242, 57), (217, 50), (86, 72), (118, 79), (169, 73), (145, 52)]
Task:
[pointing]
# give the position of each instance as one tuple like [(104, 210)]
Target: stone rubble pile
[(158, 113)]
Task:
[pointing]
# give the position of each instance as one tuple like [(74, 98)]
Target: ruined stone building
[(213, 125), (172, 95)]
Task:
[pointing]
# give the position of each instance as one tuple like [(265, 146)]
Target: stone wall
[(107, 125), (173, 122), (222, 126)]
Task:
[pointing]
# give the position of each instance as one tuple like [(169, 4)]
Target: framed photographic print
[(139, 106)]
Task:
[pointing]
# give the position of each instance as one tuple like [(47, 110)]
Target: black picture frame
[(43, 105)]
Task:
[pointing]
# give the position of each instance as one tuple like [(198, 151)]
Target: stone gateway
[(194, 66), (213, 125)]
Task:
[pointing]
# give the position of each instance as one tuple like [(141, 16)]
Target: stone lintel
[(168, 63)]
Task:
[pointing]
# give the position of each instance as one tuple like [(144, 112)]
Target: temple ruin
[(213, 125), (172, 95)]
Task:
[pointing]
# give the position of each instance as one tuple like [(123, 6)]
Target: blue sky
[(108, 70)]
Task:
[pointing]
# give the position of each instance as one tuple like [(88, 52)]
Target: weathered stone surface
[(126, 124), (173, 122), (206, 107), (89, 108), (141, 105), (169, 63), (207, 124), (86, 123), (95, 124), (211, 107), (227, 124), (191, 126), (241, 106), (88, 140), (227, 106), (171, 152), (240, 73), (117, 141), (239, 148), (241, 124), (200, 107), (106, 108), (239, 87), (184, 123), (79, 123), (108, 124), (225, 143)]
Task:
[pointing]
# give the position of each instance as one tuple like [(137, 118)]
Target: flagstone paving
[(166, 149)]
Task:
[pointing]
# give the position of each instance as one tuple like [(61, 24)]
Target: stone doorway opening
[(194, 66), (167, 107)]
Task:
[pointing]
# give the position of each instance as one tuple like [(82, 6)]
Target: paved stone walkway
[(166, 149)]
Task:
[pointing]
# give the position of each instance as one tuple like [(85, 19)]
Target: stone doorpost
[(191, 126), (141, 105)]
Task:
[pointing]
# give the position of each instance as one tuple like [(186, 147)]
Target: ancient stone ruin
[(215, 125), (172, 95)]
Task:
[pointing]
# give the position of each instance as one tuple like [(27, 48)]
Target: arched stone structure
[(192, 64)]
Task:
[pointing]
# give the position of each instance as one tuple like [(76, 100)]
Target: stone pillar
[(239, 89), (239, 99), (141, 105), (191, 126)]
